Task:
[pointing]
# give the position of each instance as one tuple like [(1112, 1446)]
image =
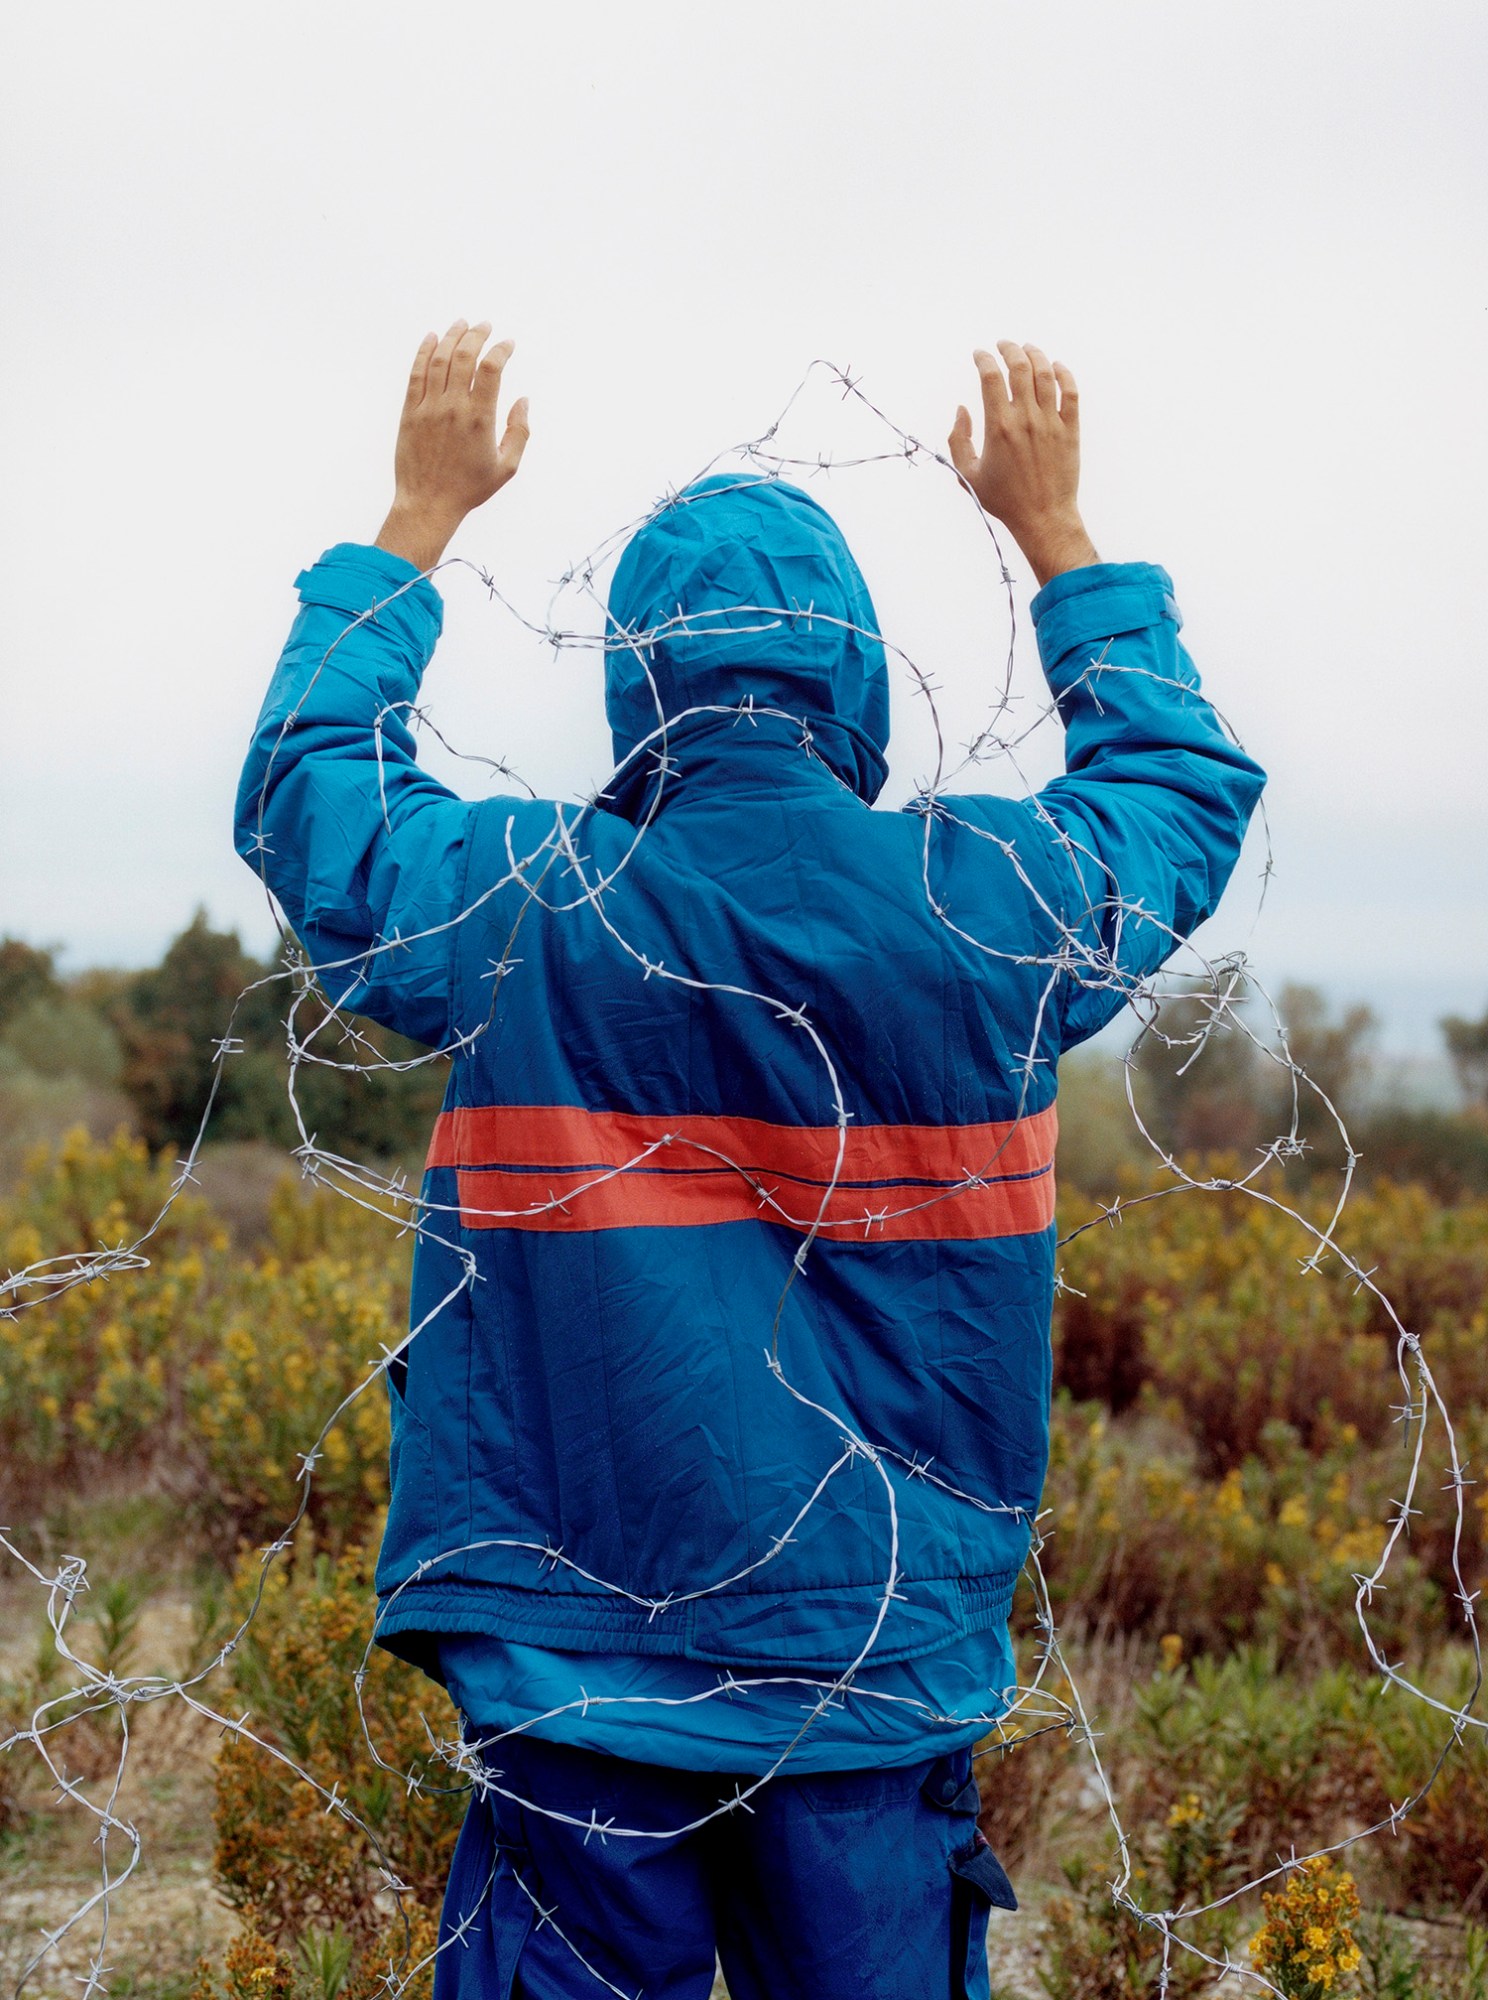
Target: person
[(718, 1443)]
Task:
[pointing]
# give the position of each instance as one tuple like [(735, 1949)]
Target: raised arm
[(364, 851), (1145, 825)]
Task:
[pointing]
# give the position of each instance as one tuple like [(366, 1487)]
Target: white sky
[(1256, 231)]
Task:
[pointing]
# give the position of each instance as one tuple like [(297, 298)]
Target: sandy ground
[(168, 1913), (160, 1923)]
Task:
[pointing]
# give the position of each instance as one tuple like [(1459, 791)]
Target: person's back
[(725, 1422)]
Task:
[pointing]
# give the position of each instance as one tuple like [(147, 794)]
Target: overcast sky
[(1257, 232)]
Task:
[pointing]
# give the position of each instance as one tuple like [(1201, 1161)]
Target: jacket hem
[(411, 1620)]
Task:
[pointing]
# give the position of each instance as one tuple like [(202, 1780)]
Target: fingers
[(1034, 382), (963, 455), (466, 350), (1020, 372), (439, 361), (419, 372), (454, 363), (488, 378), (995, 404), (513, 439), (1045, 388), (1069, 396)]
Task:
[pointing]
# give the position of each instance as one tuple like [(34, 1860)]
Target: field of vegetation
[(1227, 1450)]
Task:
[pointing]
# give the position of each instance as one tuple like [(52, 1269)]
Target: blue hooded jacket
[(750, 1125)]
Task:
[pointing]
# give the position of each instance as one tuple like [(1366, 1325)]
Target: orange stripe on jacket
[(560, 1167)]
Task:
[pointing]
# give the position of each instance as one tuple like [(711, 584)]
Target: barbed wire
[(318, 995)]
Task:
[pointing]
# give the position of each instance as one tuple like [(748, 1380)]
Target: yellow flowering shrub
[(252, 1969), (87, 1374), (208, 1374), (1257, 1434), (290, 1344), (1199, 1305), (84, 1195), (1306, 1945), (1136, 1537)]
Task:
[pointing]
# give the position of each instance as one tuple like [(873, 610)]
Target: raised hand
[(1028, 470), (448, 461)]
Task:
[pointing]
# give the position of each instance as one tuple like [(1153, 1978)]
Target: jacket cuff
[(1096, 602), (353, 576)]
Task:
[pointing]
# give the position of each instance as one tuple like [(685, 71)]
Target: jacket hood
[(730, 541)]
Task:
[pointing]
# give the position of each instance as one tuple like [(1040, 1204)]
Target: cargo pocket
[(979, 1882), (979, 1885)]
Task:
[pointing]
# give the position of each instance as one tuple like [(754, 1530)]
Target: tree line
[(144, 1043), (106, 1047)]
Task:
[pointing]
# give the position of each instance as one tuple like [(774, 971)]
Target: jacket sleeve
[(367, 863), (1152, 808)]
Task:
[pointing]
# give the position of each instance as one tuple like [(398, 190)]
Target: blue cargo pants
[(835, 1886)]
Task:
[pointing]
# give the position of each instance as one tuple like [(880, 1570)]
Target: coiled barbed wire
[(316, 995)]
